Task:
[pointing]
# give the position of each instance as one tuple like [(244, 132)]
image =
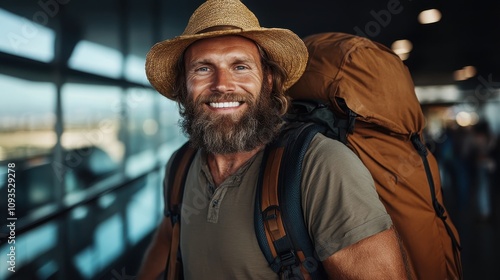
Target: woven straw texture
[(282, 45)]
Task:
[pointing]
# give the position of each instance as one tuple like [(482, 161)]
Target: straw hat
[(282, 45)]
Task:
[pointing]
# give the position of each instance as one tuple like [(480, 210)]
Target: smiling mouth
[(219, 105)]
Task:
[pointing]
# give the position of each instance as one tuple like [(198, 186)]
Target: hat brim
[(282, 46)]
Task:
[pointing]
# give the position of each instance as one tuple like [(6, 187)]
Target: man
[(229, 76)]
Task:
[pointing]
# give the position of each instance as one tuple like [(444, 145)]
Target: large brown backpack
[(367, 101), (357, 76)]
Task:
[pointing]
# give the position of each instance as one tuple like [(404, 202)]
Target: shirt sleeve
[(339, 200)]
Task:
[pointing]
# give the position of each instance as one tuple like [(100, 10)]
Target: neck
[(223, 166)]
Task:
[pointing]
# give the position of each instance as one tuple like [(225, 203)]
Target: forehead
[(222, 45)]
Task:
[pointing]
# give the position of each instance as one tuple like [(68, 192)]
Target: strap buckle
[(288, 258), (290, 266)]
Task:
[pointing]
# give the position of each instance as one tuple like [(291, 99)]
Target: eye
[(202, 69), (241, 67)]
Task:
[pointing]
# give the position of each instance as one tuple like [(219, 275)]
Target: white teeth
[(224, 104)]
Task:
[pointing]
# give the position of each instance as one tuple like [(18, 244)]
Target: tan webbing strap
[(174, 266), (302, 259), (273, 223)]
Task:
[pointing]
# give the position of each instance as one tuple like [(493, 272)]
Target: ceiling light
[(464, 118), (429, 16), (470, 71), (459, 75), (465, 73), (402, 48), (403, 56)]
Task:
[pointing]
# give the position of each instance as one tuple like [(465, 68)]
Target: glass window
[(29, 249), (138, 41), (27, 118), (25, 38), (27, 138), (491, 114), (142, 121), (106, 244), (134, 69), (171, 136), (142, 211), (92, 138), (142, 130), (97, 59)]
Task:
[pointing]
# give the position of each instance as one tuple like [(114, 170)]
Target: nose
[(223, 81)]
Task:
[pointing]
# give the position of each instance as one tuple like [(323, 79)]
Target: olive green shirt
[(340, 207)]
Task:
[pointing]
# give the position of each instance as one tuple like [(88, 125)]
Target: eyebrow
[(199, 62), (244, 60), (207, 61)]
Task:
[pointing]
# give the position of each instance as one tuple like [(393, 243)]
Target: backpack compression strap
[(279, 222), (438, 208), (175, 188)]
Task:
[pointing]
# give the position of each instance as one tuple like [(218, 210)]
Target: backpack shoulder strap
[(179, 169), (279, 224), (176, 179)]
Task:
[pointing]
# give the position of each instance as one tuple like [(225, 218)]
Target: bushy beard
[(231, 133)]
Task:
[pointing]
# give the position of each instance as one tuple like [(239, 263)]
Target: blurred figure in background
[(453, 154), (483, 144)]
